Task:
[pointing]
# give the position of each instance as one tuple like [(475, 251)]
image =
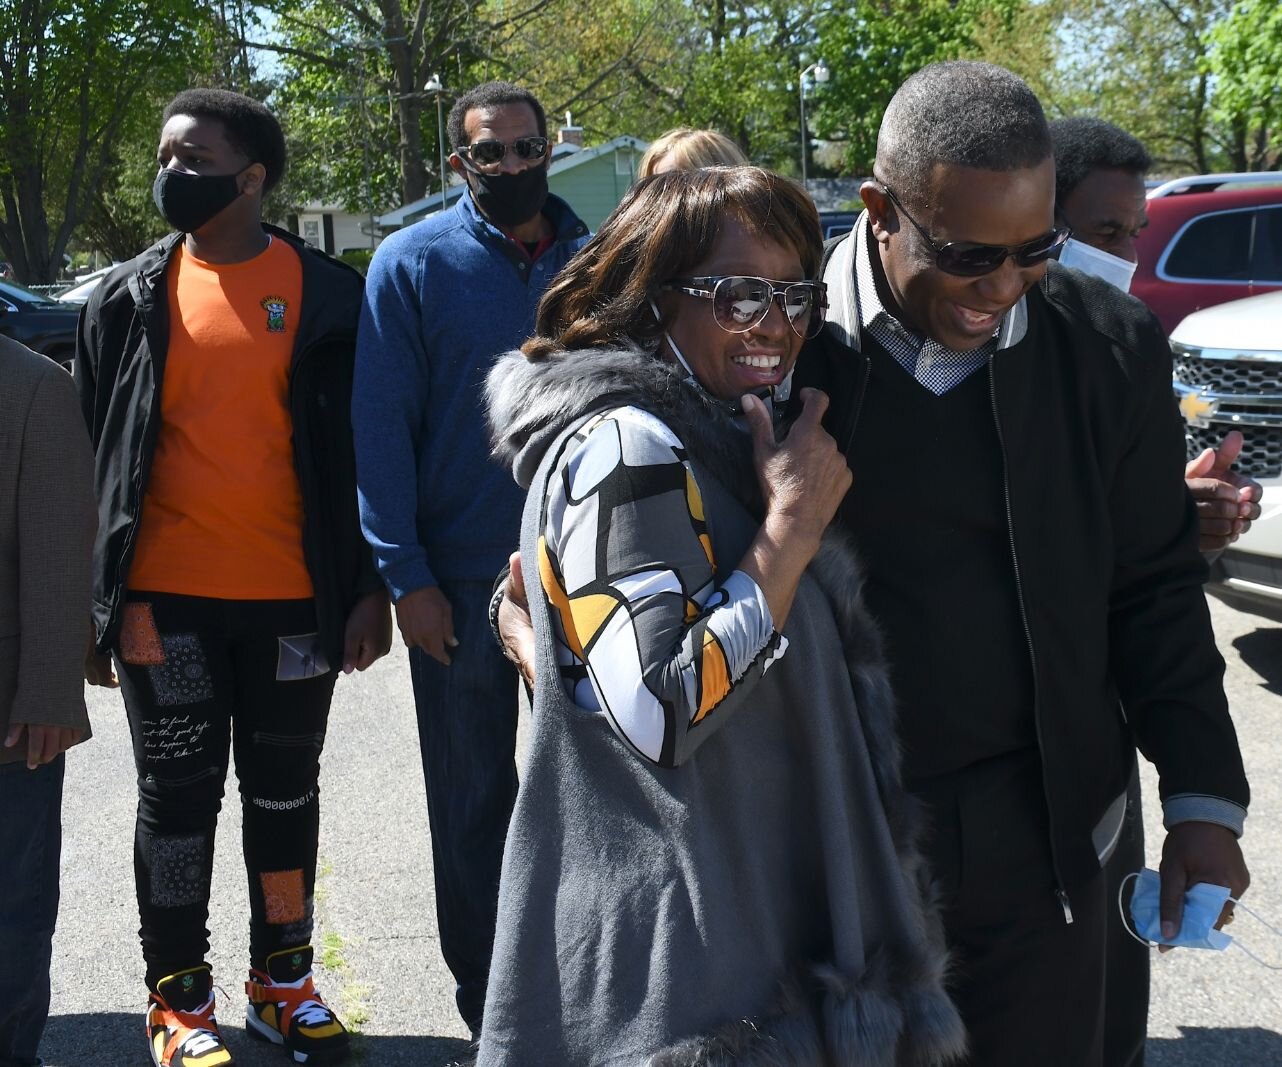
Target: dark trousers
[(1126, 1004), (1029, 985), (467, 732), (30, 849), (202, 678)]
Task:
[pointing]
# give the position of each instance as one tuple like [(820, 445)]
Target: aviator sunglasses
[(490, 151), (740, 302), (969, 260)]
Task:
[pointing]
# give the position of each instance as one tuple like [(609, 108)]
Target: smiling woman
[(710, 855)]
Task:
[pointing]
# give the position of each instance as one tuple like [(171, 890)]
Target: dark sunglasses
[(490, 151), (969, 260), (740, 302)]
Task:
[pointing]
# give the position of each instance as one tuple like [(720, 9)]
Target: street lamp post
[(820, 70), (437, 88)]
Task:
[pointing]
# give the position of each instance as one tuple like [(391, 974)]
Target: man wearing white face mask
[(1099, 193)]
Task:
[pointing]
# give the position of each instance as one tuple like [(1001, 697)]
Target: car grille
[(1261, 453), (1248, 391), (1229, 376)]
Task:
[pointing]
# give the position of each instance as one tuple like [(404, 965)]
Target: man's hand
[(1227, 502), (44, 743), (427, 622), (98, 668), (515, 627), (368, 634), (1199, 852)]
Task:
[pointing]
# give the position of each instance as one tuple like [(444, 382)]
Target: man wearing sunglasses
[(1031, 553), (443, 298)]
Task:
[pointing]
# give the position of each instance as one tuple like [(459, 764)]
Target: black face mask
[(188, 201), (510, 199)]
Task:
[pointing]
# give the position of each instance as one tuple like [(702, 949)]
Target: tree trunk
[(413, 168), (1199, 125)]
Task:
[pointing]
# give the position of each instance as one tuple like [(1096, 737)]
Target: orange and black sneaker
[(181, 1028), (285, 1009)]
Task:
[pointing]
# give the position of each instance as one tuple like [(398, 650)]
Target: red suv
[(1210, 239)]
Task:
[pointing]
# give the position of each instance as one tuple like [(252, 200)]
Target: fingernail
[(347, 668), (1168, 930)]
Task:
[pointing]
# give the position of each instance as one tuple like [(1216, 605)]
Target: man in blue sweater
[(444, 298)]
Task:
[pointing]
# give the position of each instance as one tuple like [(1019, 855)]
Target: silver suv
[(1228, 376)]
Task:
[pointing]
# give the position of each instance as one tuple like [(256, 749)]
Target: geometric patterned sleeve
[(645, 633)]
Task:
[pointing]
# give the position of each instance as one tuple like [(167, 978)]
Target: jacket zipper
[(1060, 895)]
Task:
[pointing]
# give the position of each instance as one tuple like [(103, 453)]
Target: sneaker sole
[(255, 1027)]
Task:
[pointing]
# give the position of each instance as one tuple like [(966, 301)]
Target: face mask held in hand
[(1203, 904)]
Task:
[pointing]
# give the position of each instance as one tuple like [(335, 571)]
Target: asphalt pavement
[(378, 955)]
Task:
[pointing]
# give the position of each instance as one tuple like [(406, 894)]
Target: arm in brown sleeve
[(57, 519)]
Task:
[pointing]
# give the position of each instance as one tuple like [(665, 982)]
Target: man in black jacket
[(1045, 565), (231, 579)]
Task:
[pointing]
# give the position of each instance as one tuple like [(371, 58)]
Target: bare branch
[(289, 50)]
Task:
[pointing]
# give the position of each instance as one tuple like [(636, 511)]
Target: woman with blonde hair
[(688, 149), (712, 859)]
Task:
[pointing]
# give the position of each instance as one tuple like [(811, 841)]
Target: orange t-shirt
[(223, 514)]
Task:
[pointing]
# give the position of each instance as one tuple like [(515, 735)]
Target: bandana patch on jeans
[(284, 897), (184, 676), (179, 874), (140, 642)]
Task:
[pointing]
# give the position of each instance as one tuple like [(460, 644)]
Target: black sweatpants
[(200, 678), (1029, 984)]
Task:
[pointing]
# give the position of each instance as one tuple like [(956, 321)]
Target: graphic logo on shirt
[(276, 307)]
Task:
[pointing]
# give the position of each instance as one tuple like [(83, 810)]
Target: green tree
[(1245, 60), (872, 47), (71, 74), (613, 72), (354, 77)]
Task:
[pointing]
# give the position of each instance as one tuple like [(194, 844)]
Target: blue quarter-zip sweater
[(443, 299)]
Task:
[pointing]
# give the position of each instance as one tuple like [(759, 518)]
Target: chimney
[(570, 133)]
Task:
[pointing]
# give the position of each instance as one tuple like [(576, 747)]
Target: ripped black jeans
[(201, 678)]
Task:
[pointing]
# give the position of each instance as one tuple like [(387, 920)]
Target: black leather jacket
[(1107, 568), (119, 371)]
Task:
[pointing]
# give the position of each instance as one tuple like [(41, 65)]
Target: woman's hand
[(803, 478), (803, 481)]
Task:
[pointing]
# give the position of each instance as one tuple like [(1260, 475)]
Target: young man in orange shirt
[(231, 581)]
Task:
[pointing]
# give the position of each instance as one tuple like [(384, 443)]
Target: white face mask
[(1091, 260)]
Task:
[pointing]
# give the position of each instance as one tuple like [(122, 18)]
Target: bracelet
[(496, 602)]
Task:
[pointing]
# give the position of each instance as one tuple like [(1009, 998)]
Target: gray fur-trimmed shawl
[(882, 1003)]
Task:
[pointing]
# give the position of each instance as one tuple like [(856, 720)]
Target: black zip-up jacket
[(1107, 569), (120, 370)]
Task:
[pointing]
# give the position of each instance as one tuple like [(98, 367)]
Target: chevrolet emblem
[(1197, 411)]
